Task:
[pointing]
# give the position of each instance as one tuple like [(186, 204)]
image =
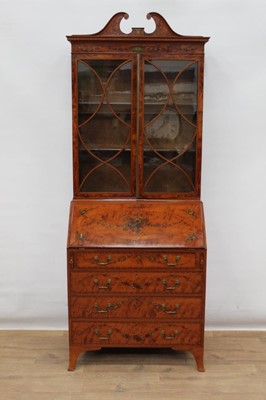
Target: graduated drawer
[(136, 282), (136, 260), (135, 307), (135, 334)]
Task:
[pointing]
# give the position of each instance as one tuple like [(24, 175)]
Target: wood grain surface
[(134, 224), (136, 282), (34, 367)]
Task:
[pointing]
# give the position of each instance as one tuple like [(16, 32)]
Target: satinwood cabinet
[(136, 243)]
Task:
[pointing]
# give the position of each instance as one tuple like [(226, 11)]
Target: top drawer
[(137, 260)]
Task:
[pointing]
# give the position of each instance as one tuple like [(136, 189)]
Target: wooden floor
[(34, 367)]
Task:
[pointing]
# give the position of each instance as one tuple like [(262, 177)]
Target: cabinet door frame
[(195, 194), (78, 193), (137, 124)]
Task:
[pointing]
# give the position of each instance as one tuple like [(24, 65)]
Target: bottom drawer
[(135, 334)]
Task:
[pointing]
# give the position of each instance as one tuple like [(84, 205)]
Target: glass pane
[(119, 88), (169, 179), (170, 122), (163, 131), (104, 123), (104, 171), (105, 131)]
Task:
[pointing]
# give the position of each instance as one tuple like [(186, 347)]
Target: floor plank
[(34, 366)]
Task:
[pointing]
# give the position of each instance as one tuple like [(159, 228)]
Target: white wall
[(35, 151)]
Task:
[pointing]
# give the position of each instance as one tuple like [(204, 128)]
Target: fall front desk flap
[(136, 223)]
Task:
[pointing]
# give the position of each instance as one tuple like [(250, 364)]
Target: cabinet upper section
[(137, 112)]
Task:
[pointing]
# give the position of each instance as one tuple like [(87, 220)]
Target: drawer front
[(135, 334), (136, 282), (135, 307), (141, 260)]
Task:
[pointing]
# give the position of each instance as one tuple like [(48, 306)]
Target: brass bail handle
[(108, 260), (165, 283), (108, 283), (164, 308), (107, 308), (171, 264), (163, 333), (109, 332)]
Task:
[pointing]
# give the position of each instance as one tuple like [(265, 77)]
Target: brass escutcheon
[(137, 49)]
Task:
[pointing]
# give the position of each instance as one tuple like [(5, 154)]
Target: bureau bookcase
[(136, 243)]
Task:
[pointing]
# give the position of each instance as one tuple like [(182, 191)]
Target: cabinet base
[(75, 351), (198, 353)]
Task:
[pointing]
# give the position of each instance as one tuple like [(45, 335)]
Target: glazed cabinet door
[(137, 126), (104, 155), (170, 131)]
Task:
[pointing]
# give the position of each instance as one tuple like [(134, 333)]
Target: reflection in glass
[(170, 118), (112, 176), (105, 131), (104, 118), (169, 179), (163, 132)]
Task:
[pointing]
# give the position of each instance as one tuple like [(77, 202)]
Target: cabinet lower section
[(132, 306), (152, 295)]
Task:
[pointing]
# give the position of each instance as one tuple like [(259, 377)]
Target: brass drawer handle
[(108, 308), (164, 308), (108, 283), (108, 260), (109, 332), (163, 333), (177, 283), (169, 264)]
